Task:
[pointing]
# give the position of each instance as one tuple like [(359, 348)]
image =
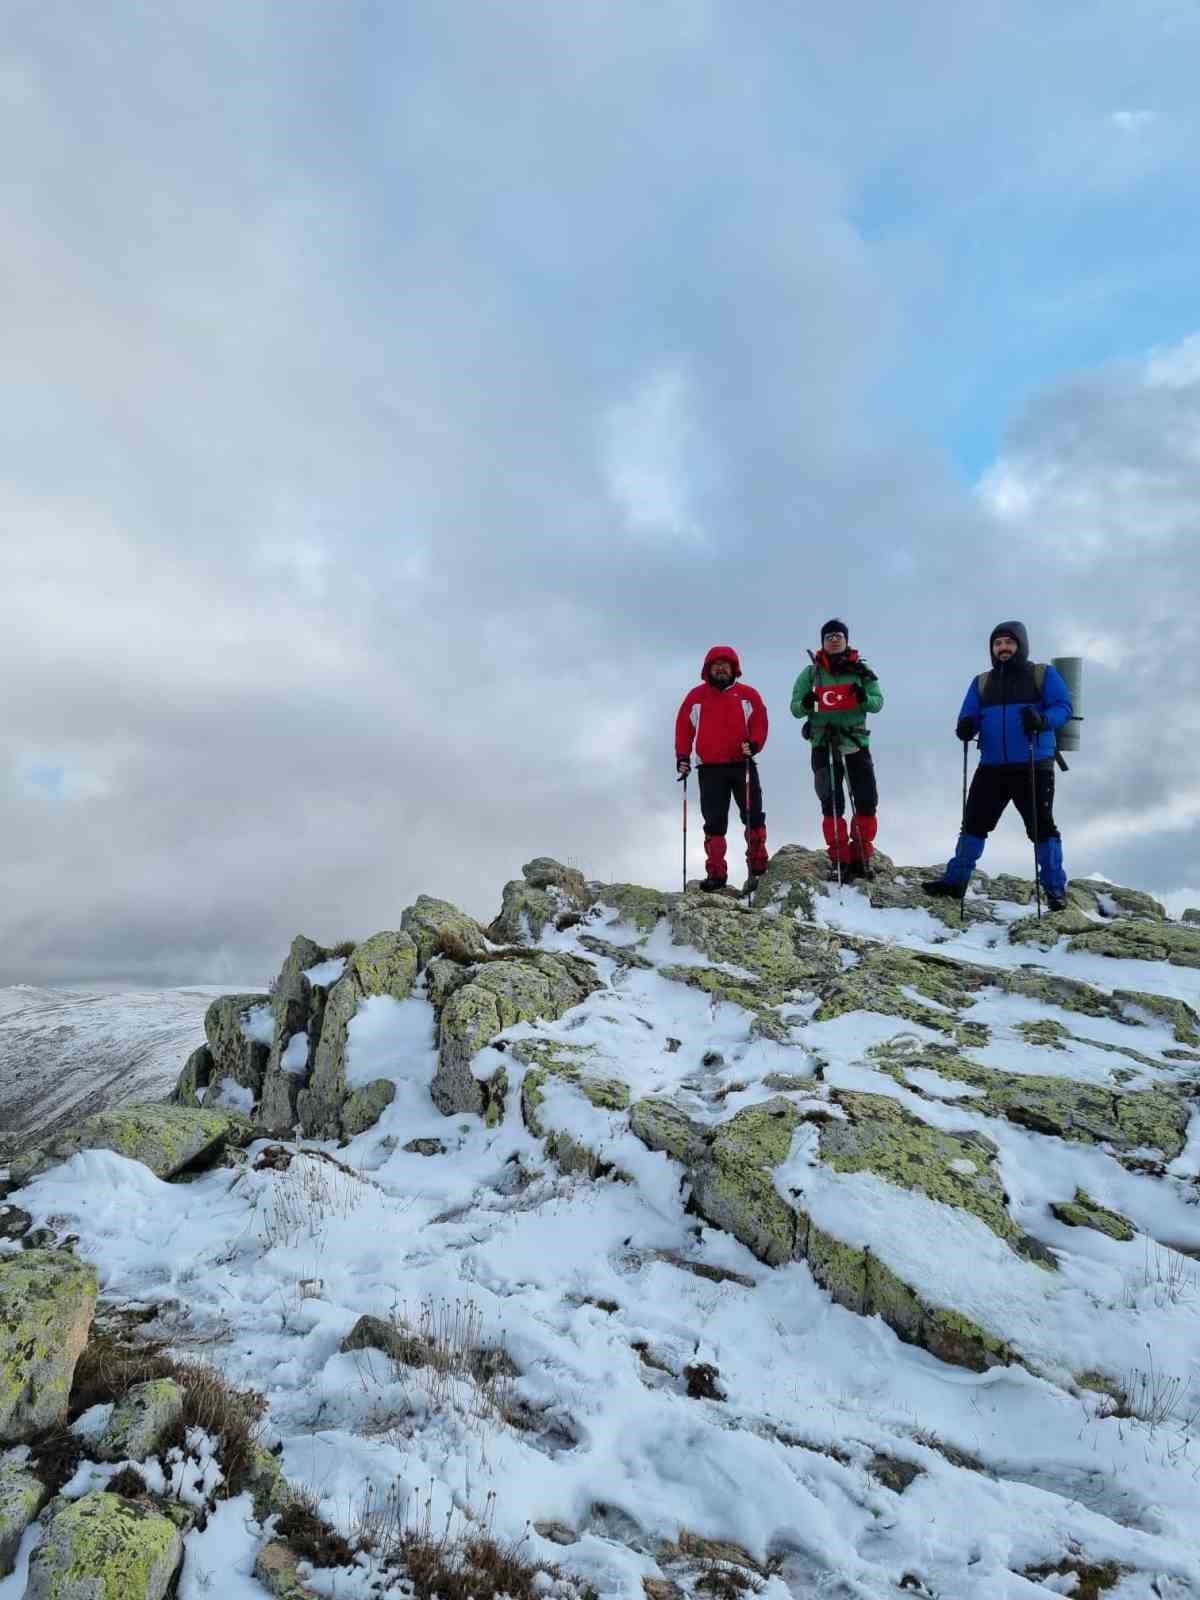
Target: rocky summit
[(640, 1243)]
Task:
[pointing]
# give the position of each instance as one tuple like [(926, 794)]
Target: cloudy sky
[(396, 400)]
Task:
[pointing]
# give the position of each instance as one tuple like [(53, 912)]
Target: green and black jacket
[(825, 697)]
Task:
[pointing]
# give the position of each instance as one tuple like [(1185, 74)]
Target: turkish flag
[(836, 697)]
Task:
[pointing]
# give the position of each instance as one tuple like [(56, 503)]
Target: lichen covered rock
[(1084, 1212), (784, 957), (194, 1079), (385, 964), (499, 995), (104, 1547), (276, 1567), (1134, 939), (166, 1138), (545, 891), (234, 1055), (957, 1169), (640, 908), (141, 1421), (548, 1060), (883, 975), (47, 1299), (1086, 1113), (22, 1496), (428, 919), (733, 1185)]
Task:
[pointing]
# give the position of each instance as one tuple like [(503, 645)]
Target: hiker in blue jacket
[(1014, 710)]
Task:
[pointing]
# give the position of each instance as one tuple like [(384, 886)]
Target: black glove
[(1032, 719), (682, 767), (806, 729), (864, 672), (860, 694), (808, 702), (964, 729)]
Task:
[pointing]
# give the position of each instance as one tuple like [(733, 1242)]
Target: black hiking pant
[(721, 784), (859, 772), (993, 787)]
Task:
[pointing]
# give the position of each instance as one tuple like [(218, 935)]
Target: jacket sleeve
[(685, 733), (757, 730), (971, 706), (1056, 699), (874, 693), (799, 689)]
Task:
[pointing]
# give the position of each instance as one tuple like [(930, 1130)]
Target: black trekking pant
[(721, 784), (859, 772), (993, 787)]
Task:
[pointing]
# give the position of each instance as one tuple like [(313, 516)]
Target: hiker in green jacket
[(834, 696)]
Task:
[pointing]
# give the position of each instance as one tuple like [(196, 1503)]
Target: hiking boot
[(753, 879), (713, 885), (943, 889), (1056, 902)]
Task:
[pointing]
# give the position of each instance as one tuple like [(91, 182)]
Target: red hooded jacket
[(720, 721)]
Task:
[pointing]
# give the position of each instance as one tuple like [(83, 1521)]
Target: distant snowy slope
[(67, 1052)]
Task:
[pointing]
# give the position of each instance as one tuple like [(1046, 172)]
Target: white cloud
[(654, 454), (1133, 121)]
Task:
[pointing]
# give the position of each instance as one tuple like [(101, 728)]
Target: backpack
[(1039, 683)]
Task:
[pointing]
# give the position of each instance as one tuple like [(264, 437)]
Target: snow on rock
[(838, 1244)]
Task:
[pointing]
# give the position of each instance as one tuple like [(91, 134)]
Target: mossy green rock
[(276, 1567), (661, 1125), (733, 1186), (104, 1547), (544, 891), (793, 879), (1052, 990), (427, 919), (1084, 1212), (141, 1420), (1131, 939), (47, 1300), (956, 1169), (385, 964), (1177, 1014), (640, 908), (166, 1138), (879, 981), (1048, 1033), (1086, 1113), (783, 956), (365, 1106), (22, 1496), (269, 1489), (732, 1168), (1047, 930), (499, 995), (558, 1061), (194, 1079), (524, 913), (233, 1055)]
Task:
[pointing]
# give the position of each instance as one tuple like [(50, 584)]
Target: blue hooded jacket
[(996, 714)]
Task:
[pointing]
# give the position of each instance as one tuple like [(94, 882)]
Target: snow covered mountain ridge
[(839, 1245)]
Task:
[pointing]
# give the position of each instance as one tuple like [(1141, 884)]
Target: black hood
[(1017, 631)]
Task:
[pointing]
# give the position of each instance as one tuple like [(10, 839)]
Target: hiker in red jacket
[(727, 722)]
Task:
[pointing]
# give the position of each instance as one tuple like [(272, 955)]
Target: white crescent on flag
[(830, 698)]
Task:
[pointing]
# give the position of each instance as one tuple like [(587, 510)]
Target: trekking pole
[(749, 874), (684, 781), (962, 828), (836, 847), (1037, 871)]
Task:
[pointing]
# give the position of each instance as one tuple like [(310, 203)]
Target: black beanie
[(835, 625)]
